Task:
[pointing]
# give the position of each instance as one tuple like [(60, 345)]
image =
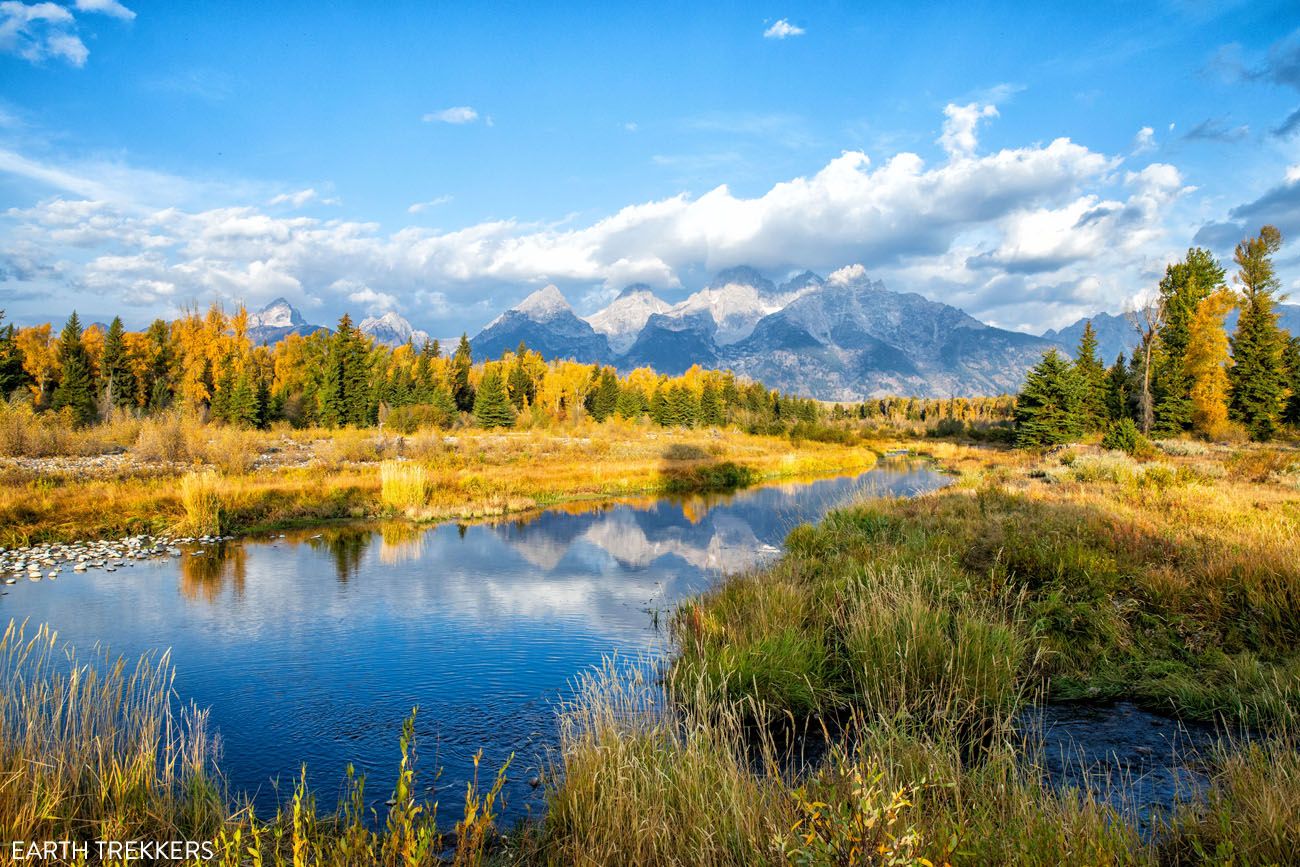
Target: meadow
[(128, 475), (911, 634)]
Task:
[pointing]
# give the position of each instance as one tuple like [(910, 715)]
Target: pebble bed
[(48, 561)]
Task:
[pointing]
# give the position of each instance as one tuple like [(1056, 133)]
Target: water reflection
[(313, 647)]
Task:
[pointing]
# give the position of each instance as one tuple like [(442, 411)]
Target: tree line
[(1187, 374), (207, 363)]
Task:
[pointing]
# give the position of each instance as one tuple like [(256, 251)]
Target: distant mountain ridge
[(845, 337), (278, 320)]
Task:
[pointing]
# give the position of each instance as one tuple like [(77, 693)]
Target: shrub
[(232, 449), (948, 427), (165, 438)]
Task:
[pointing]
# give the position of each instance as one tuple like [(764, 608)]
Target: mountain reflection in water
[(313, 647)]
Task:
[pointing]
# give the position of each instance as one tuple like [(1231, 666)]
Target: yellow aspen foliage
[(40, 358), (1207, 360)]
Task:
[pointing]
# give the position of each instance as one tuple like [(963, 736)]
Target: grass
[(910, 632), (403, 486), (283, 478), (201, 499)]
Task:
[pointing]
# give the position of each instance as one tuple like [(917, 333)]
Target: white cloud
[(958, 138), (420, 207), (1144, 141), (782, 29), (302, 197), (631, 126), (40, 31), (1028, 232), (106, 7), (457, 114)]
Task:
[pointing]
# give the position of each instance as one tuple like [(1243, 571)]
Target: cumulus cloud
[(958, 138), (1144, 141), (782, 29), (1008, 230), (457, 114), (106, 7)]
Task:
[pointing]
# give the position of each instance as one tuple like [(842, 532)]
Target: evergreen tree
[(520, 385), (492, 407), (631, 403), (1184, 286), (1291, 415), (12, 375), (115, 379), (75, 390), (461, 390), (710, 407), (242, 408), (220, 403), (159, 381), (1119, 391), (602, 399), (1048, 407), (1255, 380), (1092, 379), (659, 406)]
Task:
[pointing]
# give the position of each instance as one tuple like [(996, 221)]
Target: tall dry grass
[(201, 498), (404, 486)]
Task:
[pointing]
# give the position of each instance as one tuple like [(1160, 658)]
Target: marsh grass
[(201, 498), (404, 486)]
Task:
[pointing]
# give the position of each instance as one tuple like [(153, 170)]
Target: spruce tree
[(1255, 380), (461, 390), (159, 376), (1291, 415), (492, 407), (115, 377), (76, 390), (1092, 379), (12, 375), (602, 399), (631, 403), (1048, 407), (1184, 286), (710, 407), (220, 403), (659, 406), (242, 407)]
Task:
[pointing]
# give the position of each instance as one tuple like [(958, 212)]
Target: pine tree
[(75, 391), (1206, 360), (1184, 286), (461, 390), (242, 407), (659, 406), (602, 399), (12, 374), (1092, 379), (159, 375), (631, 403), (1291, 415), (220, 404), (492, 407), (1119, 389), (1048, 407), (1255, 381), (710, 407), (115, 377)]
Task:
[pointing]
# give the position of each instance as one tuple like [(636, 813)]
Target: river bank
[(926, 627), (276, 480)]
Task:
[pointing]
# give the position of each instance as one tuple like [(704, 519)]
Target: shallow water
[(315, 646)]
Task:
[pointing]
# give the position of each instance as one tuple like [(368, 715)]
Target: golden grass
[(471, 474), (403, 486), (201, 500)]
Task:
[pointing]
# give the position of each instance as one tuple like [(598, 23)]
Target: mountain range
[(844, 337)]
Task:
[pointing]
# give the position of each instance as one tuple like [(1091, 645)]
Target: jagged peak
[(544, 303), (743, 275), (634, 289)]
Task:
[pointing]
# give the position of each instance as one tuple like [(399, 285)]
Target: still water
[(314, 647)]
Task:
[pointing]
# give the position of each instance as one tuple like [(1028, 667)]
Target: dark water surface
[(313, 648)]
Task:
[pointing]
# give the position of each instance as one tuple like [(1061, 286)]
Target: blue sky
[(1029, 163)]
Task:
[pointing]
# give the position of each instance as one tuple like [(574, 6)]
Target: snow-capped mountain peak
[(391, 329), (546, 303), (278, 314), (737, 299), (624, 318)]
